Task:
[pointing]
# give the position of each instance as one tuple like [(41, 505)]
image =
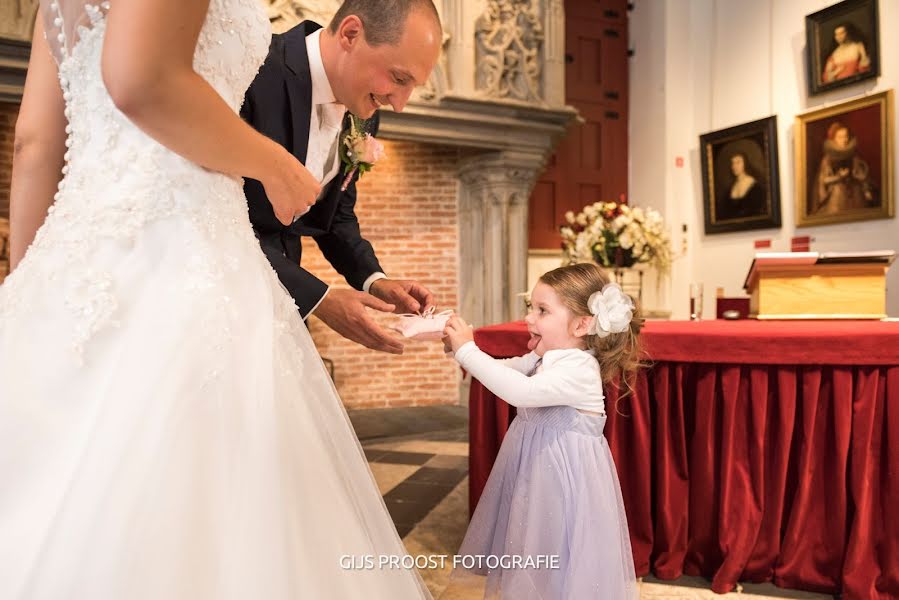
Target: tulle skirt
[(550, 524), (168, 430)]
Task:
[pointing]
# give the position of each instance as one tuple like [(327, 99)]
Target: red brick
[(407, 209)]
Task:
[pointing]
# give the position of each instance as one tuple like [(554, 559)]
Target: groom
[(374, 53)]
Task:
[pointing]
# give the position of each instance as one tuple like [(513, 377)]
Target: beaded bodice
[(118, 181), (106, 152)]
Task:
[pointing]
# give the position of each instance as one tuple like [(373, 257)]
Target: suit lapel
[(299, 89), (299, 85)]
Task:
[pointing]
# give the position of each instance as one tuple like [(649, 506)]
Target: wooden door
[(590, 164)]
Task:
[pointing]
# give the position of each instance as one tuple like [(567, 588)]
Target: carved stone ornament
[(284, 14), (17, 19), (438, 82), (509, 37)]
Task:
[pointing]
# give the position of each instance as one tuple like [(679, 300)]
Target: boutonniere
[(359, 150)]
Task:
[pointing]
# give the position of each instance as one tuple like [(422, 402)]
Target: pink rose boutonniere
[(359, 150)]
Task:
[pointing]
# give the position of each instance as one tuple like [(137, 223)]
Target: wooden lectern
[(813, 285)]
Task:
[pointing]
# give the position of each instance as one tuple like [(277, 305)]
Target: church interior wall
[(703, 65)]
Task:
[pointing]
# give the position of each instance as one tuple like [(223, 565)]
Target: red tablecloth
[(750, 451)]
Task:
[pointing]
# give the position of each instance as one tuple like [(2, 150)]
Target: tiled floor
[(419, 457)]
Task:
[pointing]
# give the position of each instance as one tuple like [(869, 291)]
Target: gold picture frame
[(844, 162)]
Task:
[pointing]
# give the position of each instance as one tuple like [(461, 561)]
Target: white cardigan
[(565, 377)]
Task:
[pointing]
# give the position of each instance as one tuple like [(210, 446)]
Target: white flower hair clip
[(612, 310)]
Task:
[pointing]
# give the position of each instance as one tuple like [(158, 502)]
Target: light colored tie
[(330, 120)]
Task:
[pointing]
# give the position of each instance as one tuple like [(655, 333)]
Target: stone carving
[(284, 14), (17, 19), (439, 80), (509, 37)]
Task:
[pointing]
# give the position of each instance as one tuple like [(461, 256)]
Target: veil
[(65, 21)]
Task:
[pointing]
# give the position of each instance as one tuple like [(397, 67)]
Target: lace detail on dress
[(117, 181)]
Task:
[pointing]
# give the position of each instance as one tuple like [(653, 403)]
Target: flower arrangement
[(359, 150), (616, 235)]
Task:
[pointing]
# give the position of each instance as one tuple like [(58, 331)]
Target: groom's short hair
[(383, 20)]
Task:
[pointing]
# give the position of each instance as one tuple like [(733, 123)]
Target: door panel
[(590, 164)]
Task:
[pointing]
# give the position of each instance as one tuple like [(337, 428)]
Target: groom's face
[(374, 76)]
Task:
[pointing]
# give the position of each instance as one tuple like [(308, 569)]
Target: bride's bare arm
[(148, 70), (38, 148)]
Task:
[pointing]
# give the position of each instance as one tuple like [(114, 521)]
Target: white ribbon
[(429, 313), (428, 323), (612, 310)]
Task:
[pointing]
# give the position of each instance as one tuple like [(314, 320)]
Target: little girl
[(553, 490)]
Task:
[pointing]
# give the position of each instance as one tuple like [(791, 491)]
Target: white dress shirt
[(567, 377), (325, 120)]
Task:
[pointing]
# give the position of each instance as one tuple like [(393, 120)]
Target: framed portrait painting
[(844, 162), (740, 182), (842, 45)]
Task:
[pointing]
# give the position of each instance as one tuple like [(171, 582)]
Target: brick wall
[(8, 114), (408, 210)]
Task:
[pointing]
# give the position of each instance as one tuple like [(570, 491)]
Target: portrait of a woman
[(848, 56), (743, 195), (842, 45), (842, 183), (740, 187)]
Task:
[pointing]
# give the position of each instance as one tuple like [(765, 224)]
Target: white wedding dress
[(167, 428)]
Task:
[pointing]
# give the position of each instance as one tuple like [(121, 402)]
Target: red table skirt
[(737, 468)]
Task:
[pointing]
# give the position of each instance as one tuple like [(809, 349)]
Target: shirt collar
[(321, 87)]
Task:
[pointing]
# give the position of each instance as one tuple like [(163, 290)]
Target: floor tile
[(372, 454), (399, 458), (422, 493), (444, 477), (374, 423), (445, 461), (389, 475), (433, 447), (440, 533)]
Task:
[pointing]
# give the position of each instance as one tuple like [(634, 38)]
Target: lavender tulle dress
[(553, 490)]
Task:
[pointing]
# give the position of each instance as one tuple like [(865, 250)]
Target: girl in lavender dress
[(550, 524)]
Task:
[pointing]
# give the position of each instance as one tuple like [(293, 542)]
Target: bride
[(167, 429)]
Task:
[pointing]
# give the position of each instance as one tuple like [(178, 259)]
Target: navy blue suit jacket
[(278, 104)]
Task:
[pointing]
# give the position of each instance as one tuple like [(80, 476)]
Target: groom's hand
[(344, 312), (408, 296)]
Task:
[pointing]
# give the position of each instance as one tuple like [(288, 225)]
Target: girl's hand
[(456, 333), (290, 187)]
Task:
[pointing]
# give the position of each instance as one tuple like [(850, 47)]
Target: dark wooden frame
[(767, 128), (813, 36)]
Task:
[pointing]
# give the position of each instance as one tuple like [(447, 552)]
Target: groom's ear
[(350, 32)]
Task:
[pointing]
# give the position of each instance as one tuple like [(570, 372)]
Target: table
[(749, 451)]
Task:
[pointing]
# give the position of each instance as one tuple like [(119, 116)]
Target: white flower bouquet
[(616, 235)]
